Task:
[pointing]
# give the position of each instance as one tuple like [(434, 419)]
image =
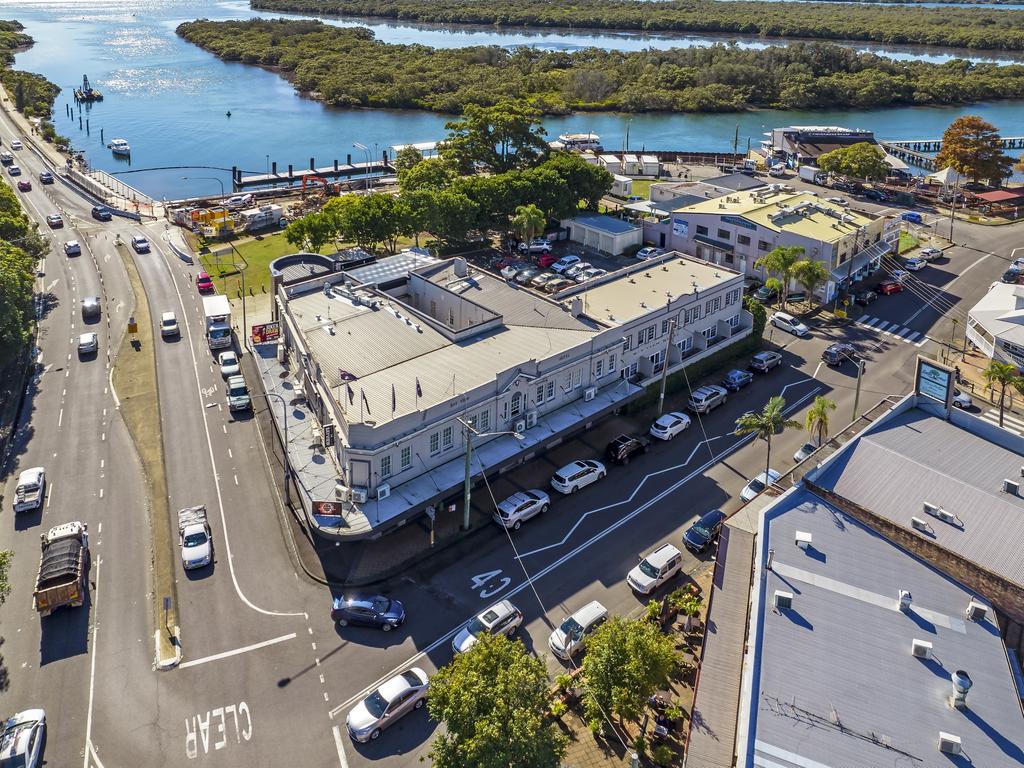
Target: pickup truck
[(63, 568), (195, 538)]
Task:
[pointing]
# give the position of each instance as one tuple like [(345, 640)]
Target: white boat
[(120, 147), (580, 142)]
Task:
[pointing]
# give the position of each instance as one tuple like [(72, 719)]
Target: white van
[(566, 641)]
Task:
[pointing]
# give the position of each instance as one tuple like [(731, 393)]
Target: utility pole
[(664, 369), (952, 206), (952, 336), (856, 396), (466, 486)]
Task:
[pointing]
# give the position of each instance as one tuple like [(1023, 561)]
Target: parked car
[(46, 177), (704, 531), (543, 279), (395, 698), (368, 611), (900, 275), (520, 507), (238, 202), (546, 259), (930, 253), (566, 262), (649, 253), (840, 201), (804, 451), (13, 170), (72, 248), (962, 400), (140, 244), (1018, 263), (838, 353), (876, 194), (763, 362), (889, 286), (576, 475), (864, 297), (537, 245), (204, 283), (24, 185), (500, 619), (669, 425), (750, 285), (912, 216), (623, 448), (915, 263), (571, 635), (735, 380), (554, 286), (22, 739), (228, 362), (577, 269), (591, 273), (766, 295), (88, 343), (704, 399), (511, 270), (655, 569), (238, 394), (758, 484), (101, 213), (169, 327), (786, 322), (54, 221), (1012, 275), (524, 276)]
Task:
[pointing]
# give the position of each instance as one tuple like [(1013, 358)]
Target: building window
[(627, 342), (446, 438), (742, 239), (734, 321), (701, 230), (647, 334), (710, 332), (629, 370), (724, 234), (685, 345), (762, 245), (691, 315), (664, 327), (504, 411), (435, 443), (611, 363), (540, 394), (451, 317), (731, 297), (657, 360), (550, 391), (385, 467), (599, 369), (517, 404), (485, 420), (406, 457), (729, 258), (577, 378), (713, 305)]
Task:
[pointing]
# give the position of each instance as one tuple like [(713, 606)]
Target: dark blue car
[(912, 216), (370, 611), (736, 379), (699, 535)]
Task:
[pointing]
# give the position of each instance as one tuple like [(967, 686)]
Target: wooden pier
[(292, 175), (913, 151)]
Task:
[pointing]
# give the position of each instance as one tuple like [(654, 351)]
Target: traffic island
[(135, 387)]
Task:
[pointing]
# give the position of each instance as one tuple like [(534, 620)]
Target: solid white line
[(60, 417), (341, 746), (101, 493), (92, 672), (817, 368), (236, 652), (49, 494), (921, 342)]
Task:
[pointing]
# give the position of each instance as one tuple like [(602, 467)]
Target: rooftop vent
[(783, 600), (922, 649), (976, 611), (460, 267), (1011, 487), (961, 685), (576, 307), (949, 743), (905, 600), (803, 539)]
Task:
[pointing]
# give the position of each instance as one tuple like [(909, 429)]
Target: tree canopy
[(499, 138), (861, 161), (971, 146), (780, 262), (766, 424)]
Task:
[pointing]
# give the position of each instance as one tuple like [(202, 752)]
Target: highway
[(265, 674)]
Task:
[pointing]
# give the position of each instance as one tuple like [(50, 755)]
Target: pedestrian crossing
[(894, 330), (1011, 421)]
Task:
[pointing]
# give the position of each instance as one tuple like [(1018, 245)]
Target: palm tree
[(529, 220), (817, 418), (779, 262), (1002, 375), (811, 274), (766, 424)]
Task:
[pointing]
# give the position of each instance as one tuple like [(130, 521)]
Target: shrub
[(663, 755)]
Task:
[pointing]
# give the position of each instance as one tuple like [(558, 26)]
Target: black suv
[(101, 213), (699, 535), (368, 611), (839, 353), (621, 449)]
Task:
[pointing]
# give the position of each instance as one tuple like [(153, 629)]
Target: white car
[(1018, 264), (72, 248), (31, 490), (88, 343), (15, 144), (140, 244), (590, 273), (787, 322), (578, 474), (962, 399), (22, 739), (669, 425), (538, 245), (934, 253), (395, 698), (564, 263), (512, 270), (578, 268), (519, 507), (228, 362), (237, 202), (805, 450), (914, 263), (169, 325), (655, 569), (500, 619), (649, 253), (758, 484), (840, 201), (899, 275)]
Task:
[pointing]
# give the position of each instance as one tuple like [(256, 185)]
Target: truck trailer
[(217, 315), (63, 568), (813, 175)]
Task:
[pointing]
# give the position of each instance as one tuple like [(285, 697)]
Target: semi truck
[(812, 174), (217, 314), (63, 568), (195, 538)]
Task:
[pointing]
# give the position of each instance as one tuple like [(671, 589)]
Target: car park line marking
[(818, 368), (340, 745), (236, 651)]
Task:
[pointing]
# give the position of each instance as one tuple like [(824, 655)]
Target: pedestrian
[(958, 374)]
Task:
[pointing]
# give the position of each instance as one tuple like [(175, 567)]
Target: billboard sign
[(266, 332), (934, 381)]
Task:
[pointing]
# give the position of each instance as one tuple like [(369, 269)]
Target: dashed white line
[(236, 479), (101, 493), (60, 417)]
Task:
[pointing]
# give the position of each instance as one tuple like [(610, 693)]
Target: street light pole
[(369, 162), (856, 396), (284, 419), (206, 178)]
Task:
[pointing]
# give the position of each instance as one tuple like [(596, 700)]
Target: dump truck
[(217, 315), (63, 568), (195, 538)]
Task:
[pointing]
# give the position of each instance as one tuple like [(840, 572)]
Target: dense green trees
[(961, 27), (33, 94), (499, 138), (348, 67), (860, 161), (972, 147), (20, 247)]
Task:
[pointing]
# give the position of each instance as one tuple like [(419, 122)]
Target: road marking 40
[(197, 728)]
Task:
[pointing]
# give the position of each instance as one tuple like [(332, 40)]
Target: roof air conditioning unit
[(359, 495), (922, 649), (919, 524), (949, 743), (520, 427), (342, 492), (946, 516), (803, 539), (383, 491), (931, 509), (589, 394), (783, 600), (905, 599), (976, 611), (531, 419), (1011, 487)]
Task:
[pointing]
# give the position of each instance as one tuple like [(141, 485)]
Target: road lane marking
[(101, 493), (341, 746), (945, 289), (49, 492), (60, 417), (913, 336), (92, 671), (236, 651)]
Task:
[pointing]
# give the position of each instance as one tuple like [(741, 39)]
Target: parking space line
[(341, 746), (236, 651)]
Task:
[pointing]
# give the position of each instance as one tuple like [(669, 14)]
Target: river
[(171, 100)]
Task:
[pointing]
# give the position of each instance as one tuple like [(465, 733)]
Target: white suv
[(579, 474), (703, 399), (500, 619), (655, 569)]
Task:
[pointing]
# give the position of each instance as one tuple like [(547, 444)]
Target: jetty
[(916, 151), (346, 170)]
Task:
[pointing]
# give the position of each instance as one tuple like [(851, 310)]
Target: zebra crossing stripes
[(895, 330), (1011, 421)]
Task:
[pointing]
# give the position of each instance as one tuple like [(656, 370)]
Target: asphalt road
[(265, 671)]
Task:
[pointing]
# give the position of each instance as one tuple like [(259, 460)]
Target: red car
[(25, 185), (546, 260), (890, 286), (203, 283)]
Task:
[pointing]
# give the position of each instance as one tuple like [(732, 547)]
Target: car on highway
[(566, 262), (655, 569), (763, 362), (30, 490), (704, 531), (394, 699), (502, 618), (368, 611), (24, 185), (72, 248), (204, 283), (758, 484), (804, 451), (238, 394), (520, 507), (537, 245), (169, 327), (786, 322), (577, 474), (669, 425), (704, 399), (889, 286), (140, 244), (228, 362), (765, 294), (915, 263), (735, 380), (88, 343), (962, 400), (864, 297), (16, 145), (838, 353), (22, 739), (624, 447), (101, 213), (930, 253), (649, 253), (577, 269), (571, 635), (91, 308), (509, 271), (591, 273), (912, 216), (45, 177), (54, 221), (13, 170)]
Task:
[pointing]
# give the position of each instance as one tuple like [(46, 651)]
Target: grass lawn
[(642, 187), (907, 242)]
